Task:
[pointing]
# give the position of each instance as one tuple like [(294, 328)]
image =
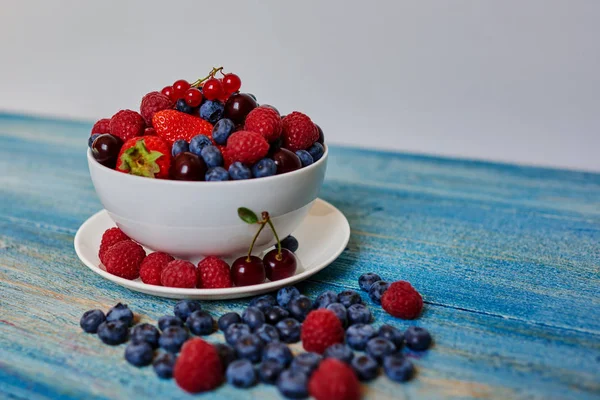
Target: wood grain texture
[(507, 259)]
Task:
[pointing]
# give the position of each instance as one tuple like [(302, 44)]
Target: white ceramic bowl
[(193, 219)]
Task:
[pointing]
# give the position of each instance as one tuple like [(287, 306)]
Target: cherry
[(179, 88), (188, 167), (280, 266), (168, 91), (212, 89), (321, 137), (193, 97), (231, 83), (247, 270), (105, 149), (238, 106), (286, 161)]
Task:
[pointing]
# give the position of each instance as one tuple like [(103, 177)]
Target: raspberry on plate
[(152, 103), (247, 147), (127, 124), (149, 156), (124, 259), (179, 274), (264, 120), (321, 329), (173, 125), (402, 300), (299, 132), (334, 380), (198, 367), (213, 273), (101, 126), (152, 267), (110, 237)]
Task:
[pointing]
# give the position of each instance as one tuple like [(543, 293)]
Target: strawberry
[(148, 156), (173, 125)]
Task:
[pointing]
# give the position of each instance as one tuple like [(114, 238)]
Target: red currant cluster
[(210, 88)]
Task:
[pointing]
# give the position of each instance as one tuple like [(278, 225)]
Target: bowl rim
[(271, 178)]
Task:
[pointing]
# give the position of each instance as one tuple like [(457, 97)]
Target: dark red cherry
[(188, 167), (246, 272), (105, 149), (238, 106), (286, 161), (321, 137), (280, 266)]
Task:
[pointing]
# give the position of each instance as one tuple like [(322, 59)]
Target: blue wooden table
[(507, 259)]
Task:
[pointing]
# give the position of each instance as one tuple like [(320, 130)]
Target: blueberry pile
[(256, 348)]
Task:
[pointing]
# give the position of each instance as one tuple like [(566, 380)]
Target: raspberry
[(198, 367), (299, 132), (402, 300), (101, 126), (246, 147), (179, 273), (152, 103), (264, 120), (124, 259), (111, 236), (152, 267), (127, 124), (334, 380), (321, 329), (213, 273), (149, 132)]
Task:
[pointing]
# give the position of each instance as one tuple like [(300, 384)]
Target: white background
[(514, 80)]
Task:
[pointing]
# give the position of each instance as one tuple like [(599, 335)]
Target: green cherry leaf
[(247, 215)]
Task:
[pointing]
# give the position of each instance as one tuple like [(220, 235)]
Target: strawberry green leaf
[(247, 215)]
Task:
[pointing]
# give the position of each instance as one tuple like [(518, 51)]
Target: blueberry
[(300, 307), (268, 333), (306, 362), (222, 130), (340, 311), (168, 320), (359, 314), (235, 331), (212, 111), (276, 314), (305, 157), (269, 371), (398, 368), (253, 317), (241, 374), (145, 333), (228, 319), (113, 332), (226, 354), (271, 107), (376, 291), (199, 142), (179, 146), (293, 384), (279, 352), (290, 243), (289, 330), (264, 303), (238, 171), (91, 320), (286, 294), (200, 323), (216, 174), (184, 107), (417, 338), (349, 297), (139, 354), (92, 138), (212, 156), (339, 351), (163, 365), (183, 308), (120, 312), (365, 367), (366, 280), (358, 335), (263, 168), (316, 151), (326, 298), (392, 334), (378, 348), (249, 347), (173, 338)]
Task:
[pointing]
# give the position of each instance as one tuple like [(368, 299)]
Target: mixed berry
[(206, 130)]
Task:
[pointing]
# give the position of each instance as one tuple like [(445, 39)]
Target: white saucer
[(323, 235)]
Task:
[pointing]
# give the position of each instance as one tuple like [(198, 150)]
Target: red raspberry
[(179, 273), (101, 126), (334, 380), (111, 236), (149, 132), (124, 259), (198, 367), (213, 273), (127, 124), (402, 300), (321, 329), (152, 267), (264, 120), (246, 147), (299, 132), (152, 103)]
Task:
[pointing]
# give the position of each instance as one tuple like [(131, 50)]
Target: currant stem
[(210, 75), (262, 225)]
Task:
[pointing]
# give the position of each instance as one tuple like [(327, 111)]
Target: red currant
[(212, 89), (168, 91), (193, 97), (179, 88), (231, 83)]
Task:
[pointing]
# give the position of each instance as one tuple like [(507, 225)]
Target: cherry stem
[(276, 237), (262, 225), (210, 75)]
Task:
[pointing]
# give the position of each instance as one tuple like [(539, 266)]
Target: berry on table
[(321, 329), (149, 156), (280, 264), (169, 320), (306, 363), (172, 125), (298, 131), (340, 311), (287, 294), (241, 374), (198, 143), (235, 331), (299, 307), (238, 106), (105, 149), (91, 140), (305, 157), (120, 312), (269, 371), (250, 347), (152, 267), (326, 298), (139, 354), (172, 338), (145, 333), (216, 174), (213, 273), (339, 351), (198, 368), (180, 87), (247, 147), (264, 303), (127, 124), (238, 171), (188, 167), (152, 103), (200, 323), (231, 83), (268, 333), (212, 89), (290, 243), (228, 319), (247, 270), (101, 126), (113, 332), (211, 111), (286, 161), (358, 335), (359, 314), (212, 156), (398, 368), (222, 130), (279, 352), (184, 107), (334, 380), (275, 314), (193, 97), (365, 367), (378, 348), (316, 151), (402, 300), (179, 274), (263, 168), (289, 330), (417, 338), (377, 290), (226, 354), (163, 365), (91, 320), (253, 317), (293, 384), (265, 121), (392, 334), (349, 297), (366, 280), (184, 308)]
